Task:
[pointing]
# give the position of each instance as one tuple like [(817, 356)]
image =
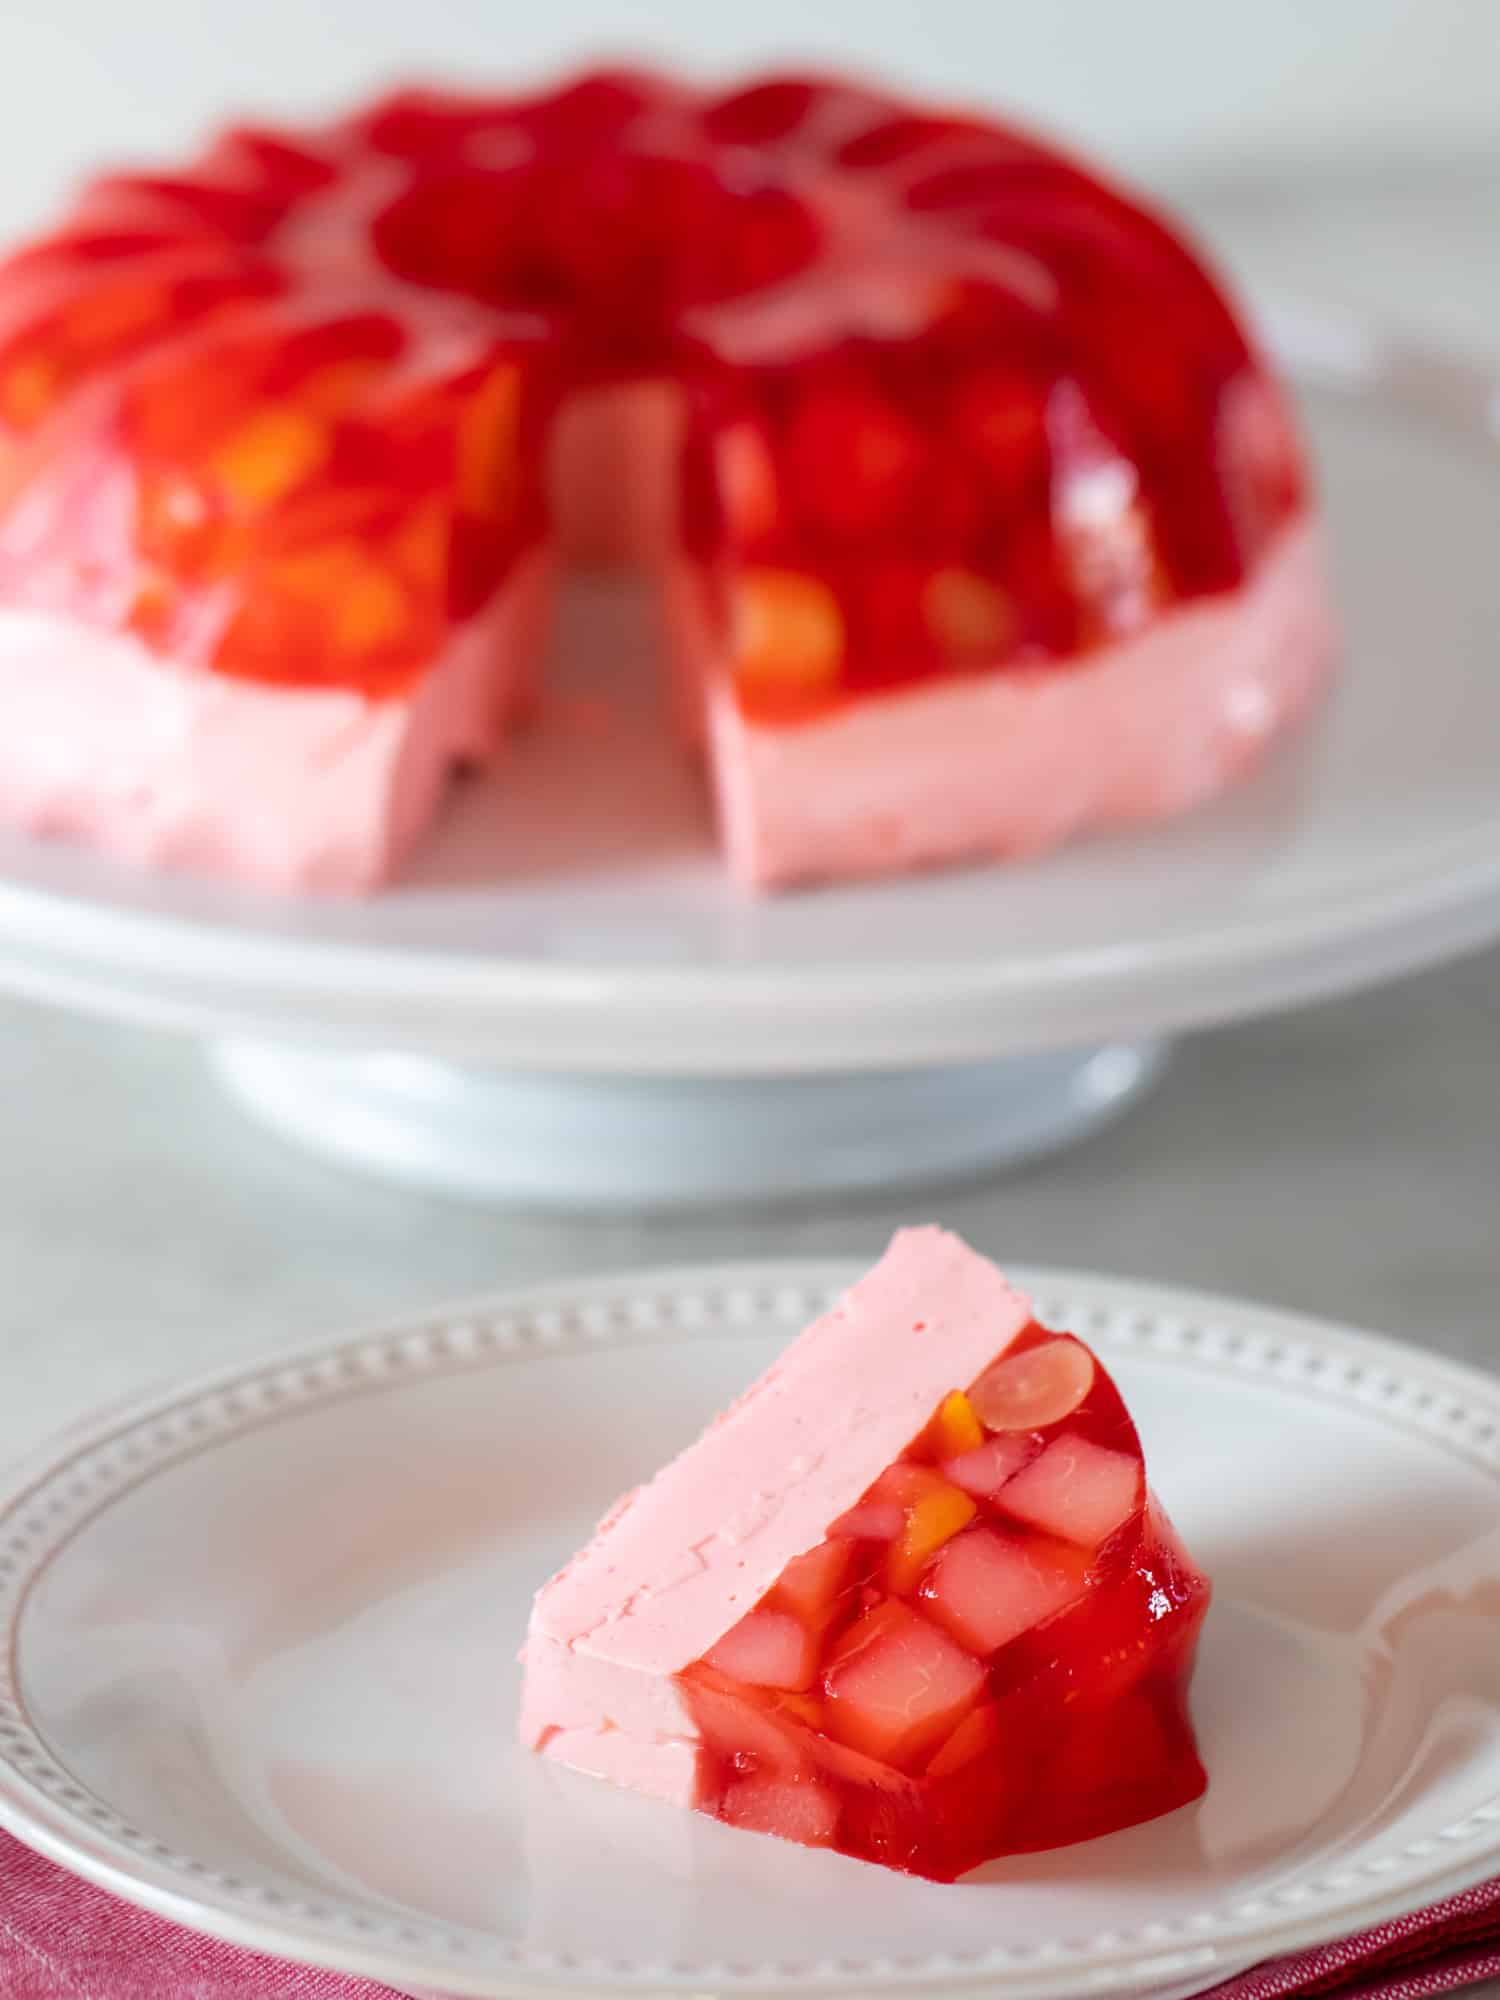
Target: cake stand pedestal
[(563, 1002), (611, 1142)]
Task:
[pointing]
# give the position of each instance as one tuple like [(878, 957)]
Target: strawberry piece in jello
[(945, 1619)]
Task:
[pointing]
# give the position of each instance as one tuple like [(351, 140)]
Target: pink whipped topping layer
[(292, 788), (679, 1561), (1013, 762), (327, 790)]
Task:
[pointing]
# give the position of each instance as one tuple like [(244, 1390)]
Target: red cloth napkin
[(61, 1939), (1449, 1944)]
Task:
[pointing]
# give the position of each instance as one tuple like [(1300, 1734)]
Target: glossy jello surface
[(953, 404), (989, 1654)]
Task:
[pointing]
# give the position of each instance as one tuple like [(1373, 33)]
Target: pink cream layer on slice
[(910, 1598)]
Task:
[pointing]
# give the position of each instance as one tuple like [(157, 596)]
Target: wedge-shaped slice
[(909, 1598)]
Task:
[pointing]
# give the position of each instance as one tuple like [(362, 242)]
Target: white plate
[(263, 1641), (575, 917)]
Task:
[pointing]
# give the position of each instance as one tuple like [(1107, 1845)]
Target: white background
[(1213, 83)]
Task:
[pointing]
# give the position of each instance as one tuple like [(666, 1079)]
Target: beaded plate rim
[(44, 1504)]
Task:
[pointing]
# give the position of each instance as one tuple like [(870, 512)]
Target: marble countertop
[(1344, 1159)]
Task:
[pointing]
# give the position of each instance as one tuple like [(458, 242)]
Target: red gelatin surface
[(963, 1671), (952, 404)]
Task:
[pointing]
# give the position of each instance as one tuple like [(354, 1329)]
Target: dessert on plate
[(910, 1598), (975, 516)]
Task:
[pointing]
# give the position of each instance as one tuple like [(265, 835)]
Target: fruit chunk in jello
[(988, 1655), (308, 499)]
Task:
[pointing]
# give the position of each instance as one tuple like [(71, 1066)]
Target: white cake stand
[(564, 1003)]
